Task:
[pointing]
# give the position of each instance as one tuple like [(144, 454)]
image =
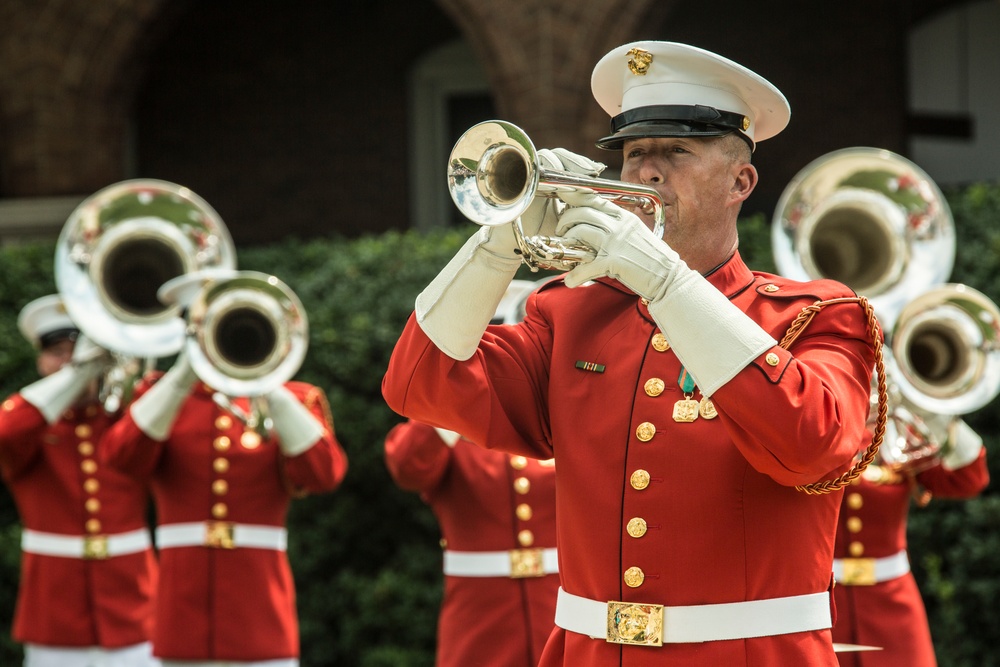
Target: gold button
[(219, 510), (525, 538), (636, 527), (93, 526), (223, 422), (771, 288), (771, 359), (634, 577), (220, 487), (220, 465), (524, 512), (8, 405), (855, 501), (518, 462), (85, 448), (639, 479), (856, 549), (91, 485), (250, 439), (654, 386), (660, 343), (93, 505), (221, 443), (83, 431), (522, 485), (854, 524), (645, 431), (88, 466)]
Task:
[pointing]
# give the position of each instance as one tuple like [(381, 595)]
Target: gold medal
[(686, 410), (706, 408)]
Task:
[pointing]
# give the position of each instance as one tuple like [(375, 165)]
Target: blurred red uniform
[(222, 494), (497, 518), (878, 602), (88, 570), (61, 491)]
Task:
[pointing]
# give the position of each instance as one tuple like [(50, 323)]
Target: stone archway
[(64, 103), (539, 58)]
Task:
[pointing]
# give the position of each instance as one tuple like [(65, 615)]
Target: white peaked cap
[(667, 89)]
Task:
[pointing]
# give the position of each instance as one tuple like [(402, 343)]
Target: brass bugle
[(494, 175)]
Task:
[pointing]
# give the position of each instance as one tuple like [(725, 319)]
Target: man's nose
[(651, 171)]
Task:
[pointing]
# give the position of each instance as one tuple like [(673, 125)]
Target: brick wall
[(291, 119)]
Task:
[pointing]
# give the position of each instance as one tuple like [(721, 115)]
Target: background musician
[(222, 491), (88, 572)]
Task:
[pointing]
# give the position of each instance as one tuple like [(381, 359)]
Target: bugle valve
[(494, 175)]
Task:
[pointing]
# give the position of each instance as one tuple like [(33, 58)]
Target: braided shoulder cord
[(797, 327)]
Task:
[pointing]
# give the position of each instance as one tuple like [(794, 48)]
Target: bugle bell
[(946, 350), (494, 175), (119, 246), (115, 251), (247, 332), (867, 218)]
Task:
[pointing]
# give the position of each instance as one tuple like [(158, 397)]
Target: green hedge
[(366, 558)]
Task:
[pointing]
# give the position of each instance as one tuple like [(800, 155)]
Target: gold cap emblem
[(639, 60), (746, 123)]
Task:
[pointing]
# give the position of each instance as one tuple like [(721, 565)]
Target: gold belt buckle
[(859, 572), (219, 535), (95, 547), (635, 623), (526, 563)]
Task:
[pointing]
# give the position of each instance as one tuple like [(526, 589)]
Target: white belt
[(221, 535), (516, 563), (868, 571), (89, 547), (652, 625)]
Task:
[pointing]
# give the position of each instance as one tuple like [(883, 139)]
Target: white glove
[(54, 394), (457, 306), (155, 411), (449, 437), (713, 339), (297, 428), (960, 445)]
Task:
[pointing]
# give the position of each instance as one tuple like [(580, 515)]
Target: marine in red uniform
[(88, 571), (497, 515), (653, 375), (222, 492), (878, 602)]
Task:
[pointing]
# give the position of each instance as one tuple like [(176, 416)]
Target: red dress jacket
[(484, 500), (577, 378), (890, 614), (60, 487), (214, 603)]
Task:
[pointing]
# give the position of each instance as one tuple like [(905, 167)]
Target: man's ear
[(744, 182)]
